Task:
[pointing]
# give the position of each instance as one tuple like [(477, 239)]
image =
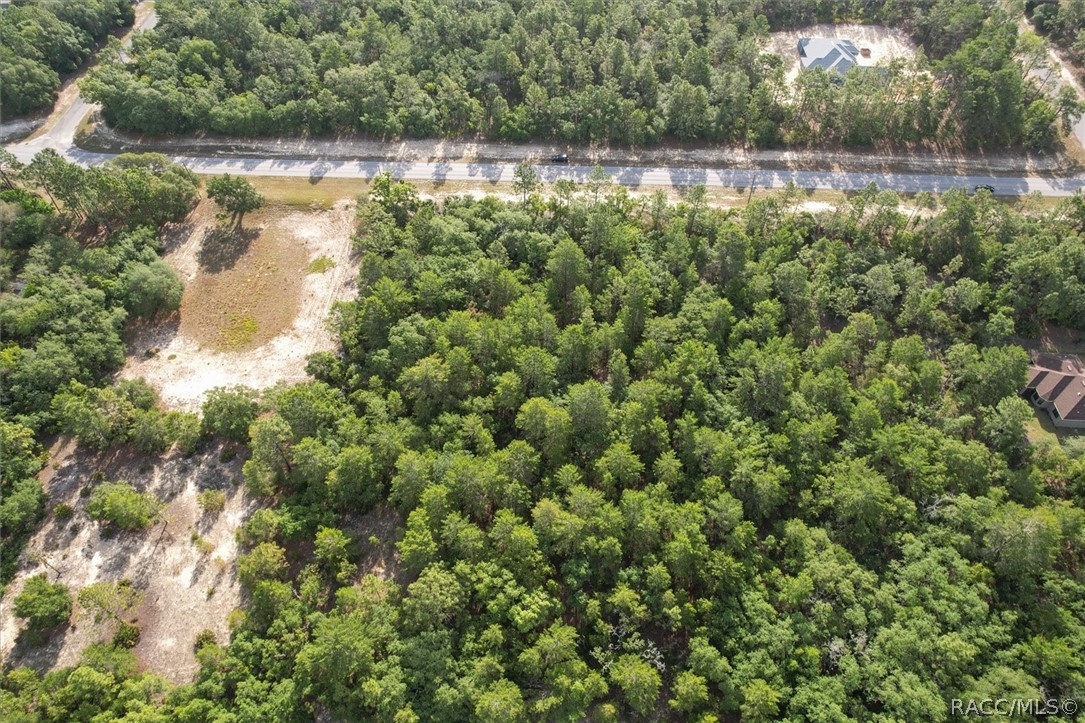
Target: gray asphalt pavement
[(60, 136), (633, 176)]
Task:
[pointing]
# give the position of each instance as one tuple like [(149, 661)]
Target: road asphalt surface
[(59, 134)]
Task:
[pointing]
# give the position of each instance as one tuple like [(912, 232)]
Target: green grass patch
[(320, 265), (1040, 430), (239, 331)]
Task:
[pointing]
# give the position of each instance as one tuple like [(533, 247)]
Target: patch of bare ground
[(246, 294), (375, 534), (186, 587), (251, 312)]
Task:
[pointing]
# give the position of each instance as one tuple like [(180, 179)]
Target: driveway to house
[(58, 133)]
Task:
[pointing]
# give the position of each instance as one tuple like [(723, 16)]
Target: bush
[(150, 289), (120, 505), (203, 546), (127, 635), (63, 511), (265, 525), (148, 433), (204, 638), (184, 429), (43, 604), (267, 561), (228, 413), (211, 500)]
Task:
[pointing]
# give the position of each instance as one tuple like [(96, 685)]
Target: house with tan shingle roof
[(1056, 384)]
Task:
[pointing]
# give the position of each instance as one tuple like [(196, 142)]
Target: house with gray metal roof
[(829, 53)]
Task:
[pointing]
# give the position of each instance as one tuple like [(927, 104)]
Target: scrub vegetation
[(622, 72), (646, 461)]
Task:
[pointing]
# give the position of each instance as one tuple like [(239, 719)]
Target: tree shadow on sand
[(221, 247), (40, 650)]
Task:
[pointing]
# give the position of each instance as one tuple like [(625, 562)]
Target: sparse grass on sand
[(303, 193), (238, 332), (320, 265), (246, 292)]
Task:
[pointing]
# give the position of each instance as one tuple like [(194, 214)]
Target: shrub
[(267, 561), (264, 525), (184, 429), (43, 604), (106, 600), (127, 635), (320, 265), (203, 638), (212, 501), (63, 511), (148, 432), (120, 505), (204, 546), (229, 412)]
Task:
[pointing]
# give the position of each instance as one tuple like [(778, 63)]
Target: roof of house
[(828, 53), (1059, 380)]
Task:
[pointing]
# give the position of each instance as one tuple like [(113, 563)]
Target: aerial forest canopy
[(631, 73), (647, 462), (43, 39), (76, 261)]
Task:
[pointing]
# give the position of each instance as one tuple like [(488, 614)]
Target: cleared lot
[(186, 587), (255, 304), (885, 43)]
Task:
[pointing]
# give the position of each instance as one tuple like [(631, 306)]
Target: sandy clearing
[(183, 370), (162, 561), (247, 292), (885, 43)]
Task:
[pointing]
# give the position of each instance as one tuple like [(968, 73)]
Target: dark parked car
[(984, 187), (560, 158)]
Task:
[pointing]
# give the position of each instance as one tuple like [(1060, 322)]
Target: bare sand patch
[(254, 315), (185, 590), (885, 43)]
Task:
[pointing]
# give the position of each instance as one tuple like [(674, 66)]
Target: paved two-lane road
[(484, 173), (59, 134)]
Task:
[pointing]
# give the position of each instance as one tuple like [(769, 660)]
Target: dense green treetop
[(44, 38), (650, 462), (631, 73)]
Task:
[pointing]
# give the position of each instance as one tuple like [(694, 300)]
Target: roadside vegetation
[(1064, 23), (647, 461), (617, 72), (78, 258), (45, 39)]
